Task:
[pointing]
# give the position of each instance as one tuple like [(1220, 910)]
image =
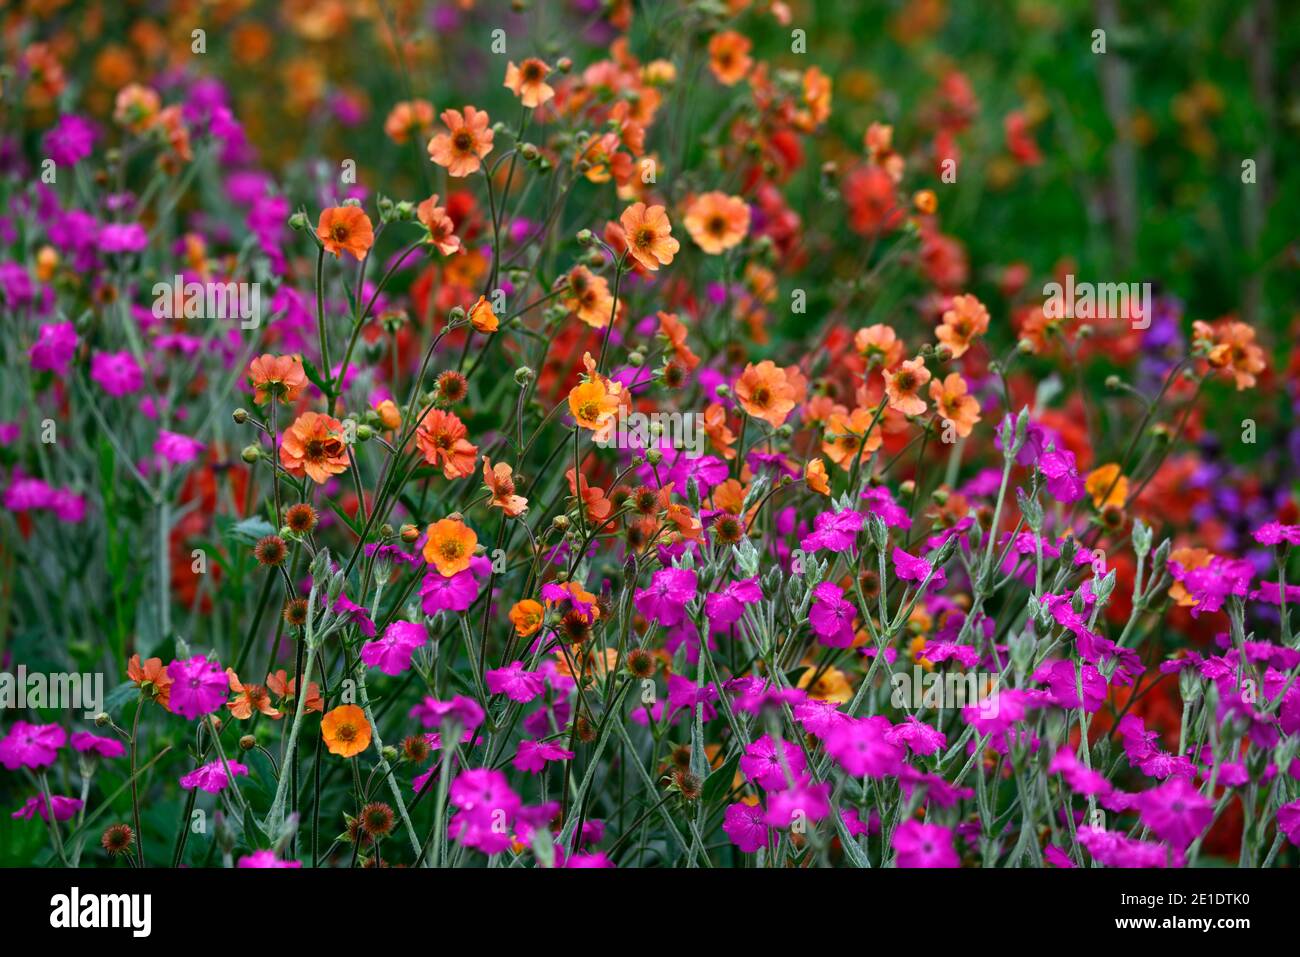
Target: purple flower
[(1176, 811), (175, 448), (487, 810), (533, 755), (16, 286), (122, 238), (831, 617), (924, 845), (1275, 533), (65, 808), (863, 748), (212, 777), (1063, 480), (515, 683), (909, 567), (464, 711), (724, 608), (31, 746), (665, 600), (85, 742), (881, 502), (198, 687), (28, 494), (343, 605), (834, 531), (266, 859), (744, 824), (803, 802), (117, 373), (917, 735), (456, 593), (391, 654), (761, 765), (70, 140), (55, 345), (1113, 849)]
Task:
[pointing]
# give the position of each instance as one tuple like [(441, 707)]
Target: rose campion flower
[(924, 845), (212, 776), (199, 687), (55, 345), (117, 373), (515, 683), (31, 746), (392, 653)]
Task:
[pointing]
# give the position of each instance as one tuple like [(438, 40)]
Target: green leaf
[(250, 530), (718, 784)]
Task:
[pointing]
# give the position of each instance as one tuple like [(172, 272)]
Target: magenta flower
[(1275, 533), (70, 140), (1063, 480), (863, 748), (724, 608), (456, 593), (487, 810), (55, 345), (199, 687), (761, 765), (744, 824), (212, 777), (533, 755), (1063, 679), (32, 746), (266, 859), (880, 501), (464, 711), (909, 567), (665, 600), (176, 449), (834, 531), (801, 803), (919, 737), (924, 845), (391, 654), (343, 605), (117, 373), (831, 617), (1113, 849), (1176, 811), (122, 238), (65, 808), (86, 742), (515, 683), (1288, 821)]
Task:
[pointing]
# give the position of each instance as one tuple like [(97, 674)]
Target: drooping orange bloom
[(674, 330), (172, 124), (766, 393), (390, 416), (815, 475), (277, 377), (1107, 486), (151, 678), (687, 522), (597, 505), (249, 698), (314, 446), (879, 345), (715, 427), (591, 300), (526, 616), (500, 482), (955, 404), (716, 221), (444, 440), (816, 98), (346, 730), (468, 140), (729, 57), (903, 384), (450, 546), (283, 687), (649, 235), (408, 118), (442, 230), (1232, 349), (481, 316), (346, 229), (962, 322), (528, 82)]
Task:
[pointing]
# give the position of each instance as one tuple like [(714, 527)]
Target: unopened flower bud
[(251, 454), (240, 416)]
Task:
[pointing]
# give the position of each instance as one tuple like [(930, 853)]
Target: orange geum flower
[(249, 698), (590, 299), (407, 118), (528, 82), (346, 731), (1232, 349), (593, 405), (390, 416), (346, 229), (674, 330), (442, 230), (526, 616), (844, 443), (450, 546), (277, 377), (716, 221), (151, 678), (468, 140), (136, 107), (766, 393), (282, 686), (815, 475), (443, 439), (481, 316), (598, 506), (1107, 486), (903, 384), (729, 57), (715, 427), (500, 482), (879, 345), (955, 404), (314, 446), (649, 235), (962, 322)]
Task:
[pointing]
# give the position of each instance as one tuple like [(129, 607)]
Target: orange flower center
[(346, 733), (339, 232), (645, 237), (463, 141), (452, 549)]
